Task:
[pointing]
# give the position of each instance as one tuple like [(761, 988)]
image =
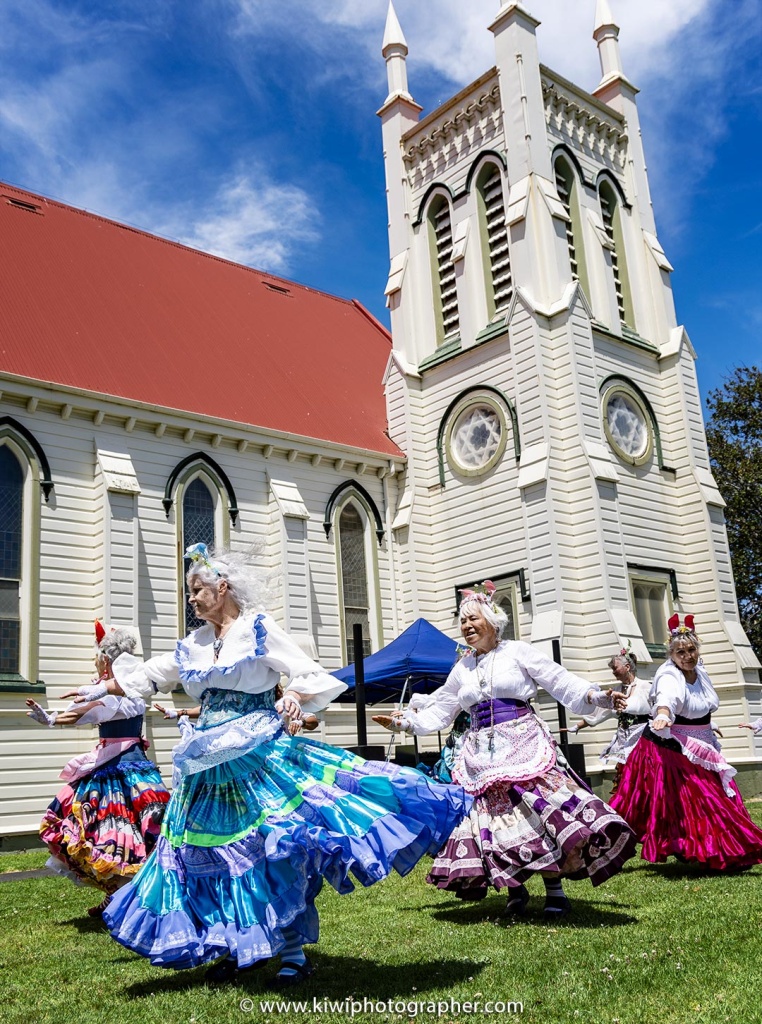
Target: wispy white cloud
[(452, 38), (83, 119), (250, 219)]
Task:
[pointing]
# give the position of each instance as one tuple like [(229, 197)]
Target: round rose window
[(627, 427)]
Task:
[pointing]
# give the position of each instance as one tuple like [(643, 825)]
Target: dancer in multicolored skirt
[(105, 821), (677, 790), (530, 814), (260, 818)]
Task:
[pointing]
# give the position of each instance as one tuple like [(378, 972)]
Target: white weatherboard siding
[(114, 554), (572, 513)]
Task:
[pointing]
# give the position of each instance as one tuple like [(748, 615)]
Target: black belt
[(123, 728), (682, 720)]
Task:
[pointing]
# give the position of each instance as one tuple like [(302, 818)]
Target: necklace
[(217, 646), (482, 683)]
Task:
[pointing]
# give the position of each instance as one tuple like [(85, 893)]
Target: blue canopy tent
[(418, 661)]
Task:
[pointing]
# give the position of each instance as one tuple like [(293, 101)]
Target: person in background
[(677, 790), (105, 821), (631, 719)]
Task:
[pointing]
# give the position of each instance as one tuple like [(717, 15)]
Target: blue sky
[(248, 128)]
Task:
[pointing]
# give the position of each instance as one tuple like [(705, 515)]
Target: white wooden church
[(534, 417)]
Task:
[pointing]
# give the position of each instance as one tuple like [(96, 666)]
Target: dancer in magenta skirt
[(677, 790)]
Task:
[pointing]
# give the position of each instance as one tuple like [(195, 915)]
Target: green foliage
[(734, 434), (657, 943)]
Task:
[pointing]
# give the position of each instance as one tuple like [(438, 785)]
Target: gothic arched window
[(11, 540), (355, 600), (443, 269), (494, 235), (612, 222), (198, 527), (567, 187)]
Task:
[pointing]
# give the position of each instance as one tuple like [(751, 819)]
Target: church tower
[(540, 386)]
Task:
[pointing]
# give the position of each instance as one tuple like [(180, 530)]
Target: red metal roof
[(89, 303)]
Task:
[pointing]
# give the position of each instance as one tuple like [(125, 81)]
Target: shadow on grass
[(688, 872), (85, 925), (336, 977), (585, 914)]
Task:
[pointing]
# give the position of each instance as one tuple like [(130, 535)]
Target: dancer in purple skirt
[(530, 814)]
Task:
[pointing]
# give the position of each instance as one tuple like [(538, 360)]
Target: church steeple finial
[(606, 35), (394, 50)]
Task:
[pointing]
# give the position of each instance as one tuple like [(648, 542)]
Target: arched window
[(443, 269), (494, 235), (11, 540), (567, 187), (354, 518), (199, 527), (612, 221), (23, 466)]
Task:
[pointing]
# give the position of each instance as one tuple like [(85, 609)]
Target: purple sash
[(487, 713)]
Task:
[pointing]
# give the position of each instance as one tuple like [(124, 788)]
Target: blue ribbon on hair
[(200, 553)]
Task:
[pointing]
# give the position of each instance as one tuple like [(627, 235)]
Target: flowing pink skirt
[(679, 808)]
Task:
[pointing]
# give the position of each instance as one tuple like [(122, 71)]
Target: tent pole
[(399, 708), (362, 725)]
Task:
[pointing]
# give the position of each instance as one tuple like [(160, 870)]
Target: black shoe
[(222, 971), (227, 969), (556, 908), (471, 893), (518, 897), (301, 973)]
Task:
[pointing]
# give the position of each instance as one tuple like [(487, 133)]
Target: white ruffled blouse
[(111, 709), (636, 703), (254, 653), (671, 690), (512, 671)]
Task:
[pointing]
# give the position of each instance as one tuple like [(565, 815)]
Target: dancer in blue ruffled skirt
[(259, 818)]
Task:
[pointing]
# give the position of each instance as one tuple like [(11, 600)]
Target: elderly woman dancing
[(260, 817), (105, 821), (631, 719), (530, 814), (677, 789)]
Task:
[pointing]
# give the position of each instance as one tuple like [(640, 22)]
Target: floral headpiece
[(687, 629), (627, 653), (481, 592), (200, 553)]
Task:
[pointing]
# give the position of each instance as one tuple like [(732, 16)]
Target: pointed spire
[(394, 50), (603, 16), (606, 35), (393, 34)]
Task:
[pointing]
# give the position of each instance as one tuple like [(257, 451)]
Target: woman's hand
[(393, 722), (39, 714), (290, 705), (72, 715), (95, 691), (662, 720), (607, 699), (575, 728), (168, 712)]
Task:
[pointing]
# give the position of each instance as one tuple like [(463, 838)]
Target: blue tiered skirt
[(246, 843)]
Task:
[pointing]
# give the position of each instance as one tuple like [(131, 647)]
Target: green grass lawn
[(655, 945)]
